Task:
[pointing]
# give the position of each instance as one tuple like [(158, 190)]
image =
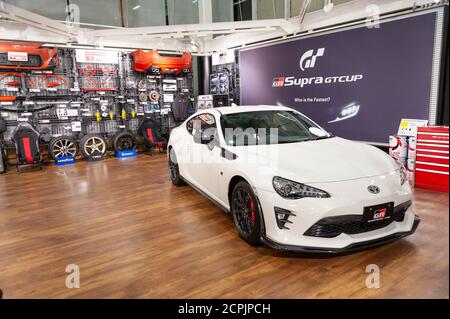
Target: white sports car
[(288, 183)]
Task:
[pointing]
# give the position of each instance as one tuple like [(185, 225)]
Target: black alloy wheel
[(246, 213), (124, 141), (174, 171)]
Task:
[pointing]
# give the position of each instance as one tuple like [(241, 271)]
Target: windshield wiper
[(321, 137)]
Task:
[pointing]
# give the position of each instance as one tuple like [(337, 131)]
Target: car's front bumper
[(348, 198), (350, 248)]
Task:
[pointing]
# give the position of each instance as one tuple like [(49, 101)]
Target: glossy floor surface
[(134, 235)]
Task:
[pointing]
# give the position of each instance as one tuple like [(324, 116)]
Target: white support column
[(254, 9), (287, 9), (205, 11)]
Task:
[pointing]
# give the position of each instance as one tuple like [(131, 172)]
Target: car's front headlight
[(293, 190)]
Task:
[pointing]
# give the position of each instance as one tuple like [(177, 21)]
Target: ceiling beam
[(20, 15)]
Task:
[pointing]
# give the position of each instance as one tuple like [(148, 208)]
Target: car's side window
[(190, 125), (202, 126)]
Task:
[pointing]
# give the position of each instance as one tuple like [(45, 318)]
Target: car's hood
[(328, 160)]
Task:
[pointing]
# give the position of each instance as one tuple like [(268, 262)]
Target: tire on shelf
[(124, 141), (93, 147), (62, 146)]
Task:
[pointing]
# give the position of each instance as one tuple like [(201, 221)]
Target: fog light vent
[(282, 217)]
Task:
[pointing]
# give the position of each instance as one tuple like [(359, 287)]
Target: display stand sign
[(408, 127), (126, 153), (65, 160), (97, 56), (223, 57), (204, 102)]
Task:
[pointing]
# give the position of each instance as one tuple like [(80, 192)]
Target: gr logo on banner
[(308, 59)]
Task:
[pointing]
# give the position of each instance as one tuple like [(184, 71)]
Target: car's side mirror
[(206, 139)]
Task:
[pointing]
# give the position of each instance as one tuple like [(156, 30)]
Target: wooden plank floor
[(134, 235)]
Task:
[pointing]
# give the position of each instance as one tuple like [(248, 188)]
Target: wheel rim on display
[(94, 146), (125, 143), (64, 147), (244, 210)]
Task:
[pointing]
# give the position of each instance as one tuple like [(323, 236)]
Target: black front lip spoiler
[(350, 248)]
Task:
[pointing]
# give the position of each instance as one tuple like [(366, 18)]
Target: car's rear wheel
[(174, 171), (246, 213)]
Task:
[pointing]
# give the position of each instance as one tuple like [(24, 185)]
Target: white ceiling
[(204, 38)]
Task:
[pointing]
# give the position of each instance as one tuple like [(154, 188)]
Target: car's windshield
[(268, 127)]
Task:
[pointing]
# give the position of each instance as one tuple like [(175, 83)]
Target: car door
[(205, 154)]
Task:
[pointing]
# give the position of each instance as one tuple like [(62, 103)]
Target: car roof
[(250, 108)]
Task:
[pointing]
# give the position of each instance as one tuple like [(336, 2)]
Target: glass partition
[(53, 9), (99, 12), (270, 9), (222, 10), (182, 11), (141, 13)]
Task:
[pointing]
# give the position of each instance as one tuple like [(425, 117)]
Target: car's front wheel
[(174, 171), (246, 213)]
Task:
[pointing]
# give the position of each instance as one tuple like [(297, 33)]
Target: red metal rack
[(432, 158)]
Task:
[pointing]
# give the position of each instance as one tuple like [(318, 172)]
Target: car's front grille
[(353, 224), (34, 60)]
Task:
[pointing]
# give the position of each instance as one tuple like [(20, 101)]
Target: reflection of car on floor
[(26, 55), (164, 63), (297, 188)]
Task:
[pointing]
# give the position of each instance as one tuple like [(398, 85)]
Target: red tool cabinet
[(432, 158)]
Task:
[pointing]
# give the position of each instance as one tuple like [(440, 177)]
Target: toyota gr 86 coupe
[(288, 183)]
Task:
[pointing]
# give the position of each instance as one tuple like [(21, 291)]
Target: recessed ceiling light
[(136, 7)]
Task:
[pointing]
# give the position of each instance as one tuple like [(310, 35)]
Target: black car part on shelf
[(124, 141), (182, 107), (45, 135), (62, 146), (93, 147)]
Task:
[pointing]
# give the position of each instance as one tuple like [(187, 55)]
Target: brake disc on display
[(142, 85), (142, 97), (154, 96)]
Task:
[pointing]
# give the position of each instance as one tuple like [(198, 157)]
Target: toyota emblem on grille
[(373, 189)]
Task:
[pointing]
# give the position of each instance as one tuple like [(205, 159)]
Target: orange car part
[(49, 56), (13, 83), (7, 74), (34, 84), (7, 98), (144, 60)]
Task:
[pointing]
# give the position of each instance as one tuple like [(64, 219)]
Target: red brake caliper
[(252, 208)]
